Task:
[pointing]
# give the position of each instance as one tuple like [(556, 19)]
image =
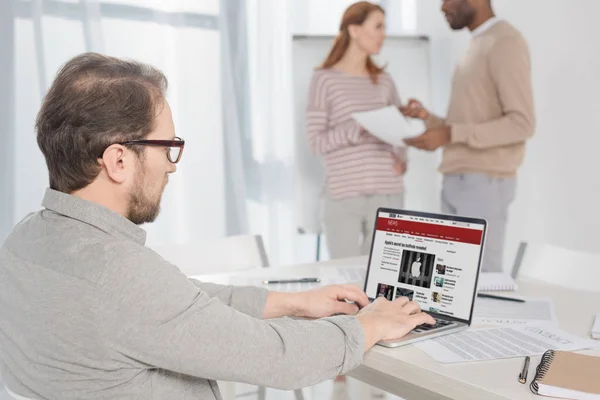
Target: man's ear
[(116, 161)]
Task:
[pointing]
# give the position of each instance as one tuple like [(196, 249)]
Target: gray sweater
[(88, 312)]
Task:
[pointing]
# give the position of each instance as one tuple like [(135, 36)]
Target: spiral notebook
[(567, 375), (495, 281)]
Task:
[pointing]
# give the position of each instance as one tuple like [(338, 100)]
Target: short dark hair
[(95, 101)]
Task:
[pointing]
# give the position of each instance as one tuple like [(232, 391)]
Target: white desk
[(412, 374)]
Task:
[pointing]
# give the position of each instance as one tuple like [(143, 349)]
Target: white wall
[(558, 189)]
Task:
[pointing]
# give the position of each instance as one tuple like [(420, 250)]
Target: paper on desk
[(596, 328), (387, 124), (328, 276), (495, 281), (538, 311), (497, 343)]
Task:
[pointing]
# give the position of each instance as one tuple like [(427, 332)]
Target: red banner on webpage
[(431, 231)]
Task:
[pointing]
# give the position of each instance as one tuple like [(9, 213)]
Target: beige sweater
[(491, 112)]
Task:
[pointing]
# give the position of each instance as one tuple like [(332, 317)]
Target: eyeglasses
[(175, 147)]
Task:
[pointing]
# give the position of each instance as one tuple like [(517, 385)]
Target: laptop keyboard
[(439, 323)]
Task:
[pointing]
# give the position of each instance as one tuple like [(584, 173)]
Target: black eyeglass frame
[(178, 142)]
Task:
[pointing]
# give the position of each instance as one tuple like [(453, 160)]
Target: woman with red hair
[(363, 173)]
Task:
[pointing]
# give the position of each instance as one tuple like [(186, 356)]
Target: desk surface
[(410, 373)]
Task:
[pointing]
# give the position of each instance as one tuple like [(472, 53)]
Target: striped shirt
[(356, 162)]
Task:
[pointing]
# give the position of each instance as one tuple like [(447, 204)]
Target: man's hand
[(431, 139), (317, 303), (388, 320), (329, 300), (414, 109)]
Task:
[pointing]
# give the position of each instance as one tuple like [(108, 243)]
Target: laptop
[(432, 259)]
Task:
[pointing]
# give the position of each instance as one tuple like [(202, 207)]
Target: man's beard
[(142, 208), (462, 17)]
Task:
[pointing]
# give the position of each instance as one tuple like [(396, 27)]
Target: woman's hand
[(414, 109), (399, 165)]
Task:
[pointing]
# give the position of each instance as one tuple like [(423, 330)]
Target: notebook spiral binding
[(542, 370)]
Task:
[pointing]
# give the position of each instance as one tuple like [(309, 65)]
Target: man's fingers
[(431, 146), (411, 141), (411, 308), (345, 308), (380, 300), (424, 142), (417, 142), (354, 294), (422, 318), (401, 301)]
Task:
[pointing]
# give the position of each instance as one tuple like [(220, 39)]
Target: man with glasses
[(88, 312)]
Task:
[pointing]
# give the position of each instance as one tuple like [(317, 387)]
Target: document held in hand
[(387, 124)]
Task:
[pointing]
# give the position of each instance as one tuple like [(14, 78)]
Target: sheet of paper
[(386, 123), (495, 281), (328, 276), (538, 311), (497, 343), (596, 328)]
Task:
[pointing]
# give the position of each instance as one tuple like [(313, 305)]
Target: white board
[(407, 60)]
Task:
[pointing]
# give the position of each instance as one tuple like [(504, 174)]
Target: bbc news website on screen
[(431, 261)]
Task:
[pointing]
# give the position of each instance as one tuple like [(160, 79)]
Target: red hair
[(356, 14)]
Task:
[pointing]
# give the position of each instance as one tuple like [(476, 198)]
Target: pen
[(523, 374), (299, 280), (493, 296)]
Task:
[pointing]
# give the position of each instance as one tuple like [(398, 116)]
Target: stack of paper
[(495, 281), (538, 311)]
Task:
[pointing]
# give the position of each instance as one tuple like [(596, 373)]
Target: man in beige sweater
[(490, 117)]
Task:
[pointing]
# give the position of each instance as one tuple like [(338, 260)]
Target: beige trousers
[(348, 223)]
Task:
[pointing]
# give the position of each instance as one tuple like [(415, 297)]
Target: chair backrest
[(232, 253), (559, 266)]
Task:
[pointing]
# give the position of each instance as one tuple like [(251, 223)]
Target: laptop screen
[(431, 259)]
